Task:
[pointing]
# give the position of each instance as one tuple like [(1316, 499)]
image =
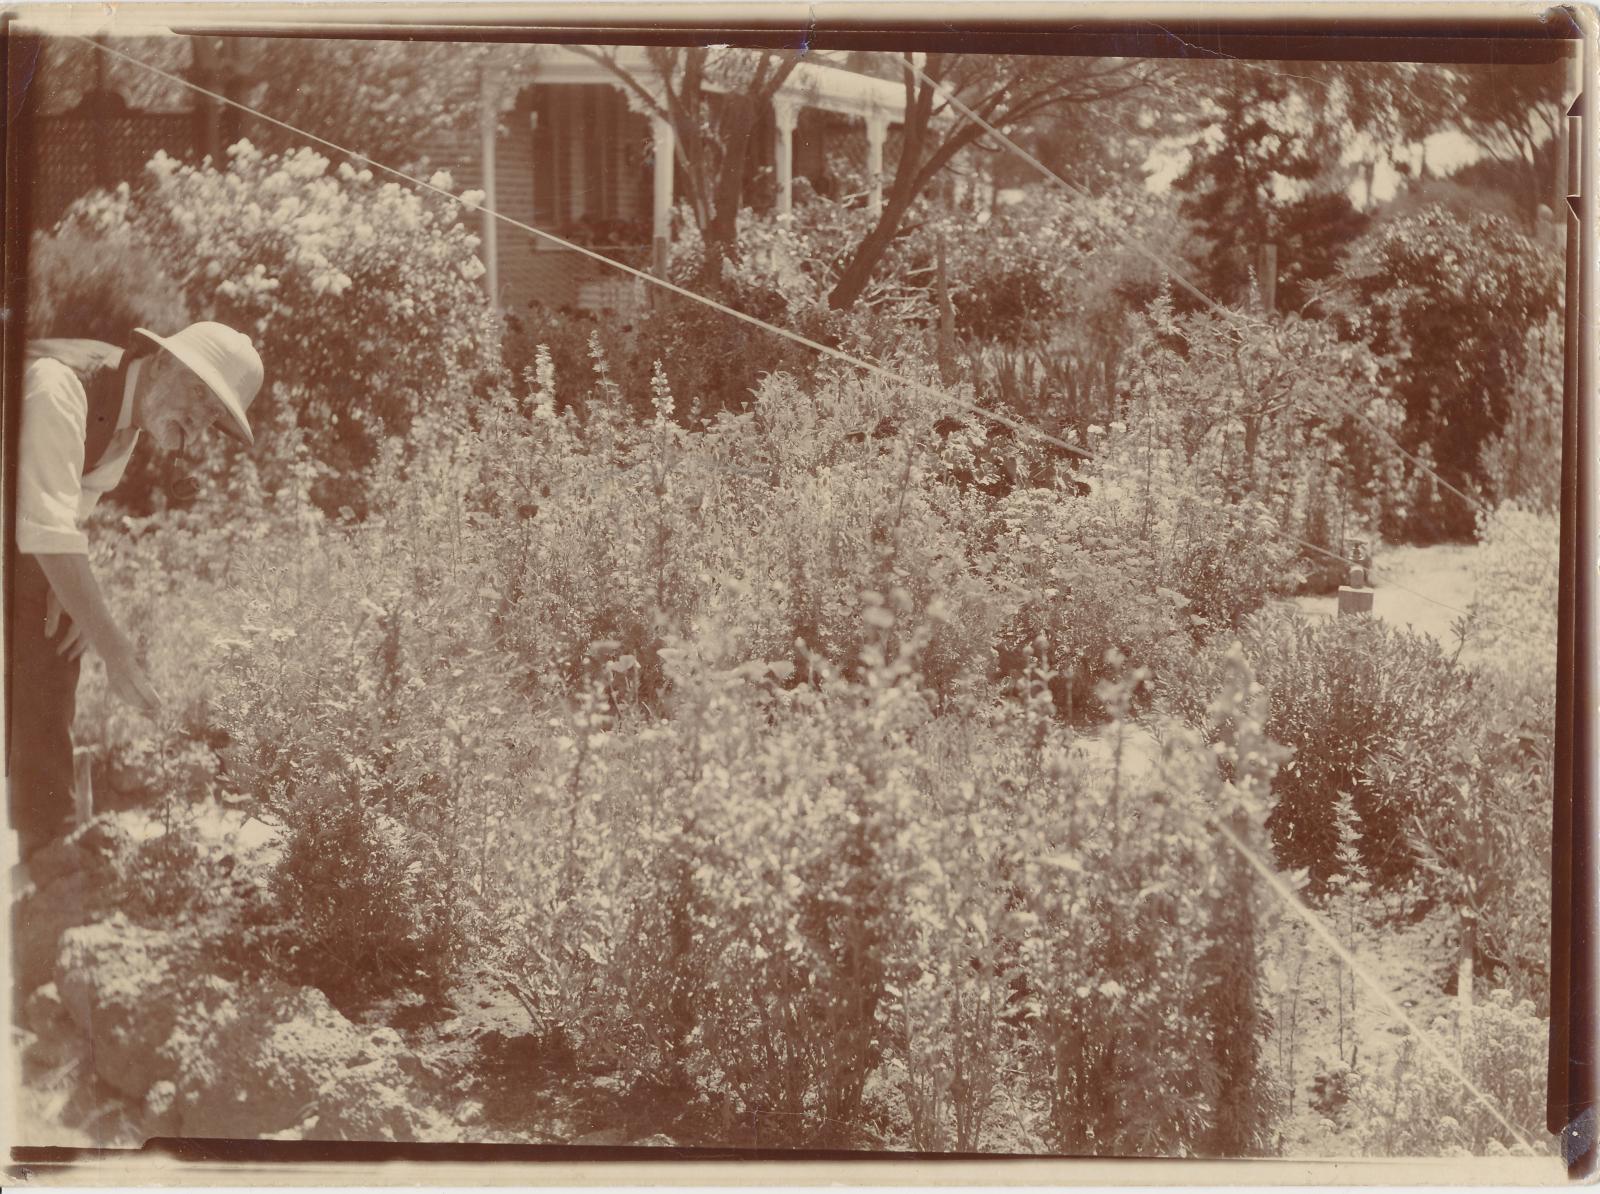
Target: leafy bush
[(1286, 412), (1447, 770), (776, 271), (695, 741), (1046, 268), (99, 287), (776, 522), (1160, 520), (1482, 829), (1110, 1040), (1522, 463), (772, 892), (1092, 587), (1342, 692), (1516, 582), (1452, 302), (368, 922), (382, 789)]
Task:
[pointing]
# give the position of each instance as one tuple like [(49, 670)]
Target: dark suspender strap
[(104, 389)]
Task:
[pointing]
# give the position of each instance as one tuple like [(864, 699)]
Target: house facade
[(565, 147)]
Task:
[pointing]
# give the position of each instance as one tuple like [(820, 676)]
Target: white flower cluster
[(272, 232)]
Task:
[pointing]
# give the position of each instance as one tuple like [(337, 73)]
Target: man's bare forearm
[(75, 587)]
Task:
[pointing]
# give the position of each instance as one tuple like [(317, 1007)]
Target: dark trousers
[(42, 703)]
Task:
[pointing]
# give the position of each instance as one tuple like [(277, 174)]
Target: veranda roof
[(815, 85)]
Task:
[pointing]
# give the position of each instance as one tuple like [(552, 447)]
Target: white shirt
[(54, 494)]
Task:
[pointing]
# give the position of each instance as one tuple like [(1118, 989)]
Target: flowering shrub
[(780, 519), (362, 296), (777, 271)]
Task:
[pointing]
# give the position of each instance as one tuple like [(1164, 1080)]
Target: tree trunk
[(727, 191), (853, 280), (1469, 944)]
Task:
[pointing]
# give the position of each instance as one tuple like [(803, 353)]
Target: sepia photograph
[(790, 590)]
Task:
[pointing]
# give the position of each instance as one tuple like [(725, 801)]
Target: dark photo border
[(1294, 34)]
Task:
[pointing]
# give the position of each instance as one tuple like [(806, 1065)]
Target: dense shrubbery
[(836, 911), (1517, 578), (718, 713), (1340, 690), (1453, 301), (1050, 276), (1422, 1108), (1049, 265), (1522, 464), (769, 893), (1284, 413), (1447, 770), (1479, 789), (757, 866), (826, 884), (777, 271), (99, 286), (777, 520)]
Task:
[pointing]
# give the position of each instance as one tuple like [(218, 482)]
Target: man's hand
[(72, 643), (76, 595), (131, 683)]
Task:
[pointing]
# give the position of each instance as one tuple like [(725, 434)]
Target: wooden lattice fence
[(100, 143)]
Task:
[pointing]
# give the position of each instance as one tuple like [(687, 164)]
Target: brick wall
[(588, 158), (459, 152)]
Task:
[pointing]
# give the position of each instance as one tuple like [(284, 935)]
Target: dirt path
[(1404, 578)]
